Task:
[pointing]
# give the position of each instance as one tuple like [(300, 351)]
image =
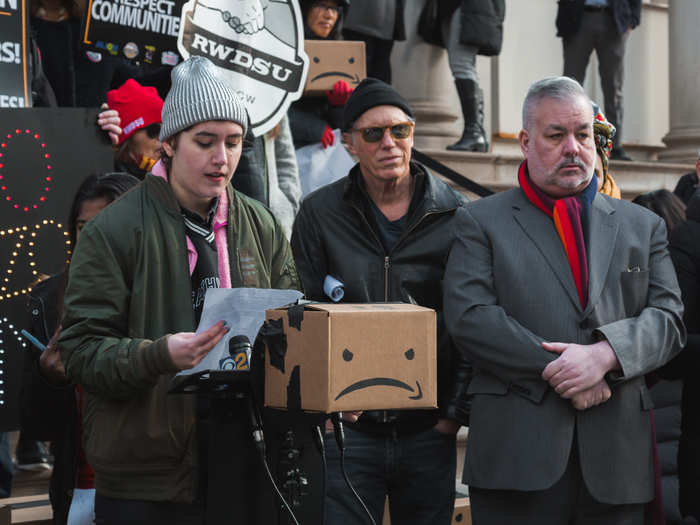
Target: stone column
[(420, 72), (683, 139)]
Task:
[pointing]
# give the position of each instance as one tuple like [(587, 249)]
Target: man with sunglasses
[(385, 231)]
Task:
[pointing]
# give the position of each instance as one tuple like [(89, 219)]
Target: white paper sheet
[(244, 311), (318, 166)]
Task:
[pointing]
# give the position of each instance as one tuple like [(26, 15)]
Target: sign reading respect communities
[(15, 88), (143, 30), (258, 45)]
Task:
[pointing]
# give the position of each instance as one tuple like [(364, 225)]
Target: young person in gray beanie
[(136, 286), (385, 231)]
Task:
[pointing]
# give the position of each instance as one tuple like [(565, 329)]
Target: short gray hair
[(560, 88)]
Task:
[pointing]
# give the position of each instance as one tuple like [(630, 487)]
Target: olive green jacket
[(129, 287)]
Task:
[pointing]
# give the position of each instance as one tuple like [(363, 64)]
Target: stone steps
[(28, 510)]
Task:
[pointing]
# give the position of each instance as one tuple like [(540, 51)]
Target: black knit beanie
[(370, 93)]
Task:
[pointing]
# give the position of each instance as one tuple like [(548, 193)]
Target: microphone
[(239, 350)]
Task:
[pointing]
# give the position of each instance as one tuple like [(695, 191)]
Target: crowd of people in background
[(553, 358)]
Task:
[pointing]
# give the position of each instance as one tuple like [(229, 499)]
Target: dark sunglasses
[(153, 131), (402, 130)]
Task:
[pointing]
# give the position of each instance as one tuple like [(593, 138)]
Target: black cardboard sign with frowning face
[(333, 60), (357, 357)]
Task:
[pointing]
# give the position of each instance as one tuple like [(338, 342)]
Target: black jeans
[(416, 471), (112, 511)]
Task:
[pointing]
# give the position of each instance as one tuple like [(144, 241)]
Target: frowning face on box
[(376, 364)]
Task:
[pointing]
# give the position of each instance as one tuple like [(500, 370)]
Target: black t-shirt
[(206, 271), (390, 231)]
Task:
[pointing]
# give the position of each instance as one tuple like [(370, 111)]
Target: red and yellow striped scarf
[(566, 213)]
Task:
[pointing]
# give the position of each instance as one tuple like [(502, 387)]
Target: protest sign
[(15, 77), (45, 153), (259, 47), (143, 30)]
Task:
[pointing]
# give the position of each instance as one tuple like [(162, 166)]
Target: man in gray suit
[(563, 299)]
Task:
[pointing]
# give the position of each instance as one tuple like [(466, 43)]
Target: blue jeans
[(6, 467), (416, 471)]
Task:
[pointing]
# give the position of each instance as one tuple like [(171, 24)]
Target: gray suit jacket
[(508, 287)]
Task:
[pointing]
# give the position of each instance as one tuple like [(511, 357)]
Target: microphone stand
[(234, 481)]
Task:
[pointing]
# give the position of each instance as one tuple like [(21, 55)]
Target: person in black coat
[(470, 28), (313, 119), (603, 25), (48, 408), (666, 393), (688, 183), (684, 246)]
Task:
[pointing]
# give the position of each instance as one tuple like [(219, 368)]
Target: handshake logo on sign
[(258, 46), (251, 19)]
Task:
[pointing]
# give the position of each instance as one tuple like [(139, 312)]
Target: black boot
[(473, 137)]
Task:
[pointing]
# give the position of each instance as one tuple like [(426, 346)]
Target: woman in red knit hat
[(133, 123)]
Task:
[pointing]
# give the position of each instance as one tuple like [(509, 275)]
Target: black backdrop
[(44, 155)]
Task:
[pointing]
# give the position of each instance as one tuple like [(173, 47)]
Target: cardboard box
[(462, 514), (337, 357), (333, 60), (29, 510)]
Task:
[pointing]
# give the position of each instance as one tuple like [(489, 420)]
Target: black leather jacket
[(334, 233)]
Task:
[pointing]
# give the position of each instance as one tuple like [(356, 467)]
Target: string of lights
[(23, 240), (46, 178), (7, 330)]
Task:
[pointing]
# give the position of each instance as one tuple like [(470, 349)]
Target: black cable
[(324, 465), (337, 420), (256, 427), (259, 440), (279, 494)]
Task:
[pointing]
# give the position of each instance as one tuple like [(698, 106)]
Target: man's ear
[(347, 140), (524, 139)]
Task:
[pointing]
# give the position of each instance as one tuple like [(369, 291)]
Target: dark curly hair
[(106, 186)]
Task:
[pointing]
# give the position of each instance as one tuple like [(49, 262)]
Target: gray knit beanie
[(198, 94)]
